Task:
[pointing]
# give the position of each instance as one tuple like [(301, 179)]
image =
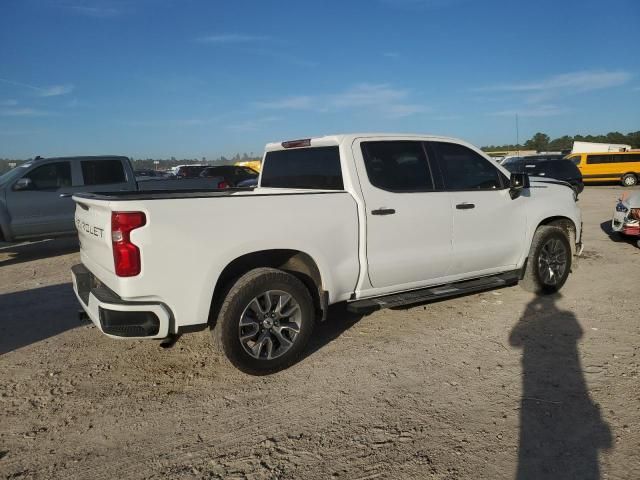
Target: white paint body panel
[(187, 242)]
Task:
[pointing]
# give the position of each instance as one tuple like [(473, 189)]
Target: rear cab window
[(315, 168), (102, 172)]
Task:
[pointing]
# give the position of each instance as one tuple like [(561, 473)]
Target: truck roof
[(88, 157), (338, 139), (78, 157)]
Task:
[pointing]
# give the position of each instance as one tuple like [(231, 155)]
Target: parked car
[(626, 216), (372, 220), (148, 174), (549, 168), (251, 182), (608, 166), (35, 197), (189, 171), (231, 174)]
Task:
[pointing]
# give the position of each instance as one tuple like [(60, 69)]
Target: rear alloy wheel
[(265, 321), (629, 180), (270, 324), (549, 261)]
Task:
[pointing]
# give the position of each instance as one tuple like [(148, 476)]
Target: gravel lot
[(495, 385)]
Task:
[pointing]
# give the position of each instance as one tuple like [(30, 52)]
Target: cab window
[(102, 172), (397, 166), (464, 169), (309, 168), (51, 176)]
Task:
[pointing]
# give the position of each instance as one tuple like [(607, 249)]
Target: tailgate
[(93, 222)]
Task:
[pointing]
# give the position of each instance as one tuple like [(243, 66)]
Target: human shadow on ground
[(561, 429), (30, 316)]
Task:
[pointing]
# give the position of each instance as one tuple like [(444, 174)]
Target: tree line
[(541, 142)]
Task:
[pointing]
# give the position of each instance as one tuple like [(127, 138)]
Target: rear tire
[(629, 180), (549, 261), (265, 321)]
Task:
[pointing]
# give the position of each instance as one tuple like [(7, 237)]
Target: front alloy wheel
[(552, 262), (549, 262)]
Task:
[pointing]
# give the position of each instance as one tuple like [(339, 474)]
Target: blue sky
[(194, 78)]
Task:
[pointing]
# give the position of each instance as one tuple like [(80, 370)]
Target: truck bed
[(168, 194), (188, 240)]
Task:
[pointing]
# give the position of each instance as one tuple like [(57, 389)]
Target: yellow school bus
[(608, 166)]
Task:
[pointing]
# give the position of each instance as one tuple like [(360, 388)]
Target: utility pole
[(517, 135)]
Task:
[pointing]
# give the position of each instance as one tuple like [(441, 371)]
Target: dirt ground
[(489, 386)]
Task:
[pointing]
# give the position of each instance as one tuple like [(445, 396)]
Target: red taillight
[(223, 184), (126, 256)]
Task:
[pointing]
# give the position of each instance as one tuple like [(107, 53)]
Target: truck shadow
[(561, 428), (15, 253), (338, 321), (24, 321)]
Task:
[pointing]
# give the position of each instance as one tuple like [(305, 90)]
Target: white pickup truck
[(373, 220)]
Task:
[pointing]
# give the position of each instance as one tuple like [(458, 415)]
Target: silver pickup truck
[(35, 197)]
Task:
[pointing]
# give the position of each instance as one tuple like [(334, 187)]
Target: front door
[(45, 207), (488, 225), (408, 223)]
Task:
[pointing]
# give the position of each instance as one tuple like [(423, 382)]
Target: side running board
[(434, 293)]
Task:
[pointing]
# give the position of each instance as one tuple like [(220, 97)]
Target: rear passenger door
[(408, 222), (104, 175), (488, 225)]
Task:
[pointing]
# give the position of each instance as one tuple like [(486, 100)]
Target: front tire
[(265, 321), (629, 180), (549, 261)]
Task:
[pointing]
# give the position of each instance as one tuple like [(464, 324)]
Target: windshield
[(14, 173)]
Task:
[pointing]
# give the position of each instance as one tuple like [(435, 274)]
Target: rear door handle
[(465, 206), (383, 211), (65, 195)]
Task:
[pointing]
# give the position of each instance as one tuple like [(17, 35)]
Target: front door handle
[(65, 195), (383, 211), (465, 206)]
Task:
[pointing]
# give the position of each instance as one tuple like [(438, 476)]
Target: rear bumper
[(115, 317)]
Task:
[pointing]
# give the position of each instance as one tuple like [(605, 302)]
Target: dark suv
[(189, 171), (232, 174), (546, 166)]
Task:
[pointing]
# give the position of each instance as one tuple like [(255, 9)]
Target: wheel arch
[(566, 224), (295, 262), (5, 230)]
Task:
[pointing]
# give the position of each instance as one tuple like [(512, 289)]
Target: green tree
[(539, 142), (562, 143)]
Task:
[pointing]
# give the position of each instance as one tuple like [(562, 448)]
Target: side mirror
[(517, 183), (23, 184)]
